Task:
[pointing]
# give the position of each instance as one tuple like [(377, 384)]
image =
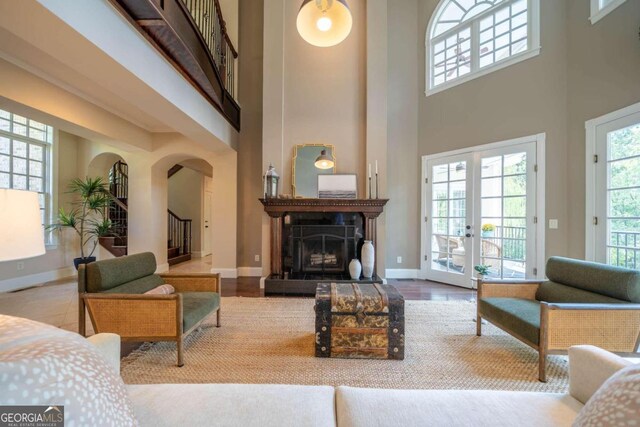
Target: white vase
[(355, 268), (368, 257)]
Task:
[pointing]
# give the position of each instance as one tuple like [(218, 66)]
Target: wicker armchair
[(581, 303), (112, 291)]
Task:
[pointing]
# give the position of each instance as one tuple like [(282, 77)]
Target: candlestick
[(376, 184), (369, 185), (369, 170), (376, 169)]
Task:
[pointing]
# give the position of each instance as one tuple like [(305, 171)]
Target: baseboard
[(30, 280), (401, 273), (162, 268), (226, 273), (249, 271), (196, 254), (262, 279)]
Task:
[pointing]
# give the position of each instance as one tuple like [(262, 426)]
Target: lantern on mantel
[(271, 179)]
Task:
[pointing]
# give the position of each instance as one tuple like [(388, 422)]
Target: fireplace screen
[(321, 246)]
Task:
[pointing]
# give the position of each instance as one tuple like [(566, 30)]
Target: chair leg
[(542, 366), (478, 325), (82, 320), (218, 324), (180, 344)]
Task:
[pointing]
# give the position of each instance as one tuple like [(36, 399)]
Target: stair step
[(178, 259)]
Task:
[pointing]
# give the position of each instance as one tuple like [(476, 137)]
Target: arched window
[(469, 38)]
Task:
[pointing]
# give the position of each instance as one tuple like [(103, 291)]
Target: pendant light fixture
[(324, 23), (323, 161)]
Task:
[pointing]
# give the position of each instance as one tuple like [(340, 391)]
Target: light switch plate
[(553, 224), (257, 258), (399, 260)]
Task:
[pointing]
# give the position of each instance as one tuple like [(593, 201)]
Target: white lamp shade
[(324, 28), (21, 232)]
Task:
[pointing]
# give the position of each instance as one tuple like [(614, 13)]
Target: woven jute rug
[(271, 340)]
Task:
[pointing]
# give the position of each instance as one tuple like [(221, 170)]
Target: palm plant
[(88, 216)]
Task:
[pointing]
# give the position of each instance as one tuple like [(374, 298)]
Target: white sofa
[(288, 405)]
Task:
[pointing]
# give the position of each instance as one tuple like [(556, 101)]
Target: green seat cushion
[(521, 316), (138, 286), (196, 306), (556, 292), (109, 273), (615, 282)]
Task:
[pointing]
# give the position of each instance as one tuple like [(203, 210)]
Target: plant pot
[(355, 268), (487, 234), (87, 260)]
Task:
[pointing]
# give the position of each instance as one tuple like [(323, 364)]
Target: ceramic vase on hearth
[(368, 257), (355, 269)]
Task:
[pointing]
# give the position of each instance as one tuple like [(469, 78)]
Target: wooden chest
[(359, 321)]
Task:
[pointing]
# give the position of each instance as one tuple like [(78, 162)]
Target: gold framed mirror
[(304, 173)]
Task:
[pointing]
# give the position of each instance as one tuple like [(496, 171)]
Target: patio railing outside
[(624, 249)]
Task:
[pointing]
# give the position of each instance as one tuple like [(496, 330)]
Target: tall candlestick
[(369, 170), (376, 184), (376, 167), (369, 186)]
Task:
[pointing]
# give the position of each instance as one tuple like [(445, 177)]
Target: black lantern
[(271, 179)]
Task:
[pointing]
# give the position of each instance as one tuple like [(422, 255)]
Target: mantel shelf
[(369, 207)]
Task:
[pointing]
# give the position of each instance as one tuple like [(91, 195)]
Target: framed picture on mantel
[(339, 186)]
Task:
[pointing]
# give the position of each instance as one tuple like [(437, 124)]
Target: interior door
[(617, 192), (449, 197), (505, 238)]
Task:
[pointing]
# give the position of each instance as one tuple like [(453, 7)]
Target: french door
[(480, 209), (616, 193)]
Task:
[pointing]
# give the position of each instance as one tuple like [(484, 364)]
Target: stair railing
[(179, 233)]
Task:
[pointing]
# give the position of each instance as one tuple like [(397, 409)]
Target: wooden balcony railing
[(191, 34)]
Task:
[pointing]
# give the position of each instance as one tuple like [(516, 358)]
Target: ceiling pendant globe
[(324, 23)]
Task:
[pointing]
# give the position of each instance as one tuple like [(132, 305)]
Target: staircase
[(179, 230)]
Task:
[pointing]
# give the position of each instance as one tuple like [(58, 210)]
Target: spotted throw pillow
[(615, 403), (44, 365), (165, 289)]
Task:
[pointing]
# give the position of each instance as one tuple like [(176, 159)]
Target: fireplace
[(313, 241), (320, 245)]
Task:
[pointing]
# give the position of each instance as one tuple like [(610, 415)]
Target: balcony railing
[(207, 16), (624, 249)]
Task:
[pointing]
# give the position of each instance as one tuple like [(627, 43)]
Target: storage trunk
[(359, 321)]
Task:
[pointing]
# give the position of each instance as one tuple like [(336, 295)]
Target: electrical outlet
[(20, 266), (553, 224), (257, 258), (399, 260)]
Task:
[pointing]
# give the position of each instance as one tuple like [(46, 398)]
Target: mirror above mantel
[(304, 173)]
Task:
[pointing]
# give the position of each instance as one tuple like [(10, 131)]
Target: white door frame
[(591, 174), (540, 189)]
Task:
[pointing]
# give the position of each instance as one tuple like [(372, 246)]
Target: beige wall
[(249, 234), (604, 76), (404, 89), (521, 100), (185, 199)]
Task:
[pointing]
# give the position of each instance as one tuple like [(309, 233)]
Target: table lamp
[(21, 232)]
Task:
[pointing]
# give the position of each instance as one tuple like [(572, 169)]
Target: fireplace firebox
[(313, 241)]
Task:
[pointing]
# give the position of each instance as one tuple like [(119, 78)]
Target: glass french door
[(449, 194), (617, 192), (480, 210)]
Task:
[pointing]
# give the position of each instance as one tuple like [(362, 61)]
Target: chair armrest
[(508, 289), (589, 368), (196, 282), (614, 327), (108, 345), (136, 316)]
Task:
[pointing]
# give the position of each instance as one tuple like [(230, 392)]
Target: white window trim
[(597, 13), (591, 127), (534, 50), (540, 143)]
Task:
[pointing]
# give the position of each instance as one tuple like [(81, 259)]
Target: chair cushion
[(196, 306), (109, 273), (519, 315), (556, 292), (614, 282), (138, 286)]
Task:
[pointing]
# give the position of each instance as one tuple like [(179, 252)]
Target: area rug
[(271, 340)]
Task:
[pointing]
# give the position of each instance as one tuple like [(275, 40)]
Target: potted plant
[(488, 230), (482, 270), (88, 216)]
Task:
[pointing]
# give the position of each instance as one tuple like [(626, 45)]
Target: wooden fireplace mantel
[(277, 208)]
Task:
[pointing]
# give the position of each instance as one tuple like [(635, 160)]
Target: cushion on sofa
[(556, 292), (197, 305), (106, 274), (519, 315), (615, 282), (360, 407), (264, 405), (138, 286), (43, 365)]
